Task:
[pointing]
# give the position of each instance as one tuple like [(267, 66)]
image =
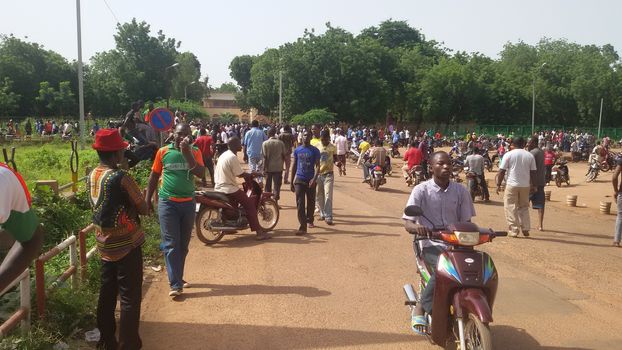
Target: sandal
[(616, 244), (419, 325)]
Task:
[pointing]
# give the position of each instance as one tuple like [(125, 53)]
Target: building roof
[(222, 96)]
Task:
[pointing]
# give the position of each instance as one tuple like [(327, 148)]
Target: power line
[(111, 12)]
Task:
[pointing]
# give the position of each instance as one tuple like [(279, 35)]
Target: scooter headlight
[(467, 238)]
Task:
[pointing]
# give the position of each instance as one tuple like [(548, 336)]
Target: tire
[(604, 166), (477, 334), (591, 176), (558, 181), (268, 214), (204, 234), (376, 184)]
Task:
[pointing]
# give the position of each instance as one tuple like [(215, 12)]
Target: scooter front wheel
[(268, 214), (477, 334), (202, 221)]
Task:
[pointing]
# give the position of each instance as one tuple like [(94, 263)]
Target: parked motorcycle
[(216, 216), (466, 285), (560, 174)]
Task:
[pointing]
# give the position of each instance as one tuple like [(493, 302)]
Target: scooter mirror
[(413, 210)]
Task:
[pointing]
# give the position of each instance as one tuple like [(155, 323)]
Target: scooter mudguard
[(473, 301)]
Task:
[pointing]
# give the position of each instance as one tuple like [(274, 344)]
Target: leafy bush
[(58, 216), (314, 116)]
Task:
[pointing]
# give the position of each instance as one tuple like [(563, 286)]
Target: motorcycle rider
[(412, 157), (228, 169), (444, 202), (475, 162), (376, 156)]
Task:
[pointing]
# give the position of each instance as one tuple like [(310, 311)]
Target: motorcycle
[(353, 153), (592, 172), (560, 173), (376, 175), (395, 152), (387, 166), (416, 175), (465, 290), (487, 160), (216, 216), (474, 184)]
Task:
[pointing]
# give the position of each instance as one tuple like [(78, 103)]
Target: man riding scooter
[(445, 202), (228, 169), (412, 157), (375, 156), (475, 162)]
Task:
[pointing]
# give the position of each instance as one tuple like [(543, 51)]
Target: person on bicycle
[(443, 202)]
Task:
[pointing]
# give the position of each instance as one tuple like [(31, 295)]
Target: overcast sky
[(217, 31)]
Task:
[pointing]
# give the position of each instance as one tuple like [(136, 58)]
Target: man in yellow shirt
[(315, 131), (326, 178), (363, 147)]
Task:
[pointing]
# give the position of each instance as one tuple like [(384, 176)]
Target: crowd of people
[(303, 157)]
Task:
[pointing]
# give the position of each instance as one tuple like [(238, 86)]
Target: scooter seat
[(215, 195)]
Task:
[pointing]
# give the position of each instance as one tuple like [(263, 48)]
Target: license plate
[(554, 173), (378, 172)]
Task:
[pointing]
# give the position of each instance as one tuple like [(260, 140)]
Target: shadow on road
[(608, 237), (510, 338), (166, 335), (569, 242), (250, 289)]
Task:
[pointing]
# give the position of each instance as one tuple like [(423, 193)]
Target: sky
[(217, 31)]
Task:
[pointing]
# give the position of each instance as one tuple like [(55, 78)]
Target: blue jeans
[(324, 197), (618, 233), (176, 223)]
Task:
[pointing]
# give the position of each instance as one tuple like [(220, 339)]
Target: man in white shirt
[(520, 166), (342, 148), (228, 169)]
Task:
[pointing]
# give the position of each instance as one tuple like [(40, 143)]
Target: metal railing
[(75, 253), (22, 315)]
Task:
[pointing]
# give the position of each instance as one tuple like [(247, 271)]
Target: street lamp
[(533, 105), (168, 88), (186, 91)]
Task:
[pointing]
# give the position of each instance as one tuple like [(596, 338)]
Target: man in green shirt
[(174, 167)]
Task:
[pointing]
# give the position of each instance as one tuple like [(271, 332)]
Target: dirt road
[(340, 286)]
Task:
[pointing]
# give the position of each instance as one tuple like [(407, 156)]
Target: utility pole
[(600, 118), (80, 78), (281, 97)]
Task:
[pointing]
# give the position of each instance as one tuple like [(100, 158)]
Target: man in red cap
[(117, 201)]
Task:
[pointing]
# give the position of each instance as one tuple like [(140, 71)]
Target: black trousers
[(276, 179), (123, 277), (305, 203), (209, 164)]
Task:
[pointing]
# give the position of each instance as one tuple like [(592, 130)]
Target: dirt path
[(340, 286)]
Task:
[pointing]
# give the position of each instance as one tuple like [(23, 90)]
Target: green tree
[(186, 78), (9, 101)]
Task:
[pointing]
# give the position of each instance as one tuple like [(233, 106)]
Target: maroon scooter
[(217, 216), (466, 285)]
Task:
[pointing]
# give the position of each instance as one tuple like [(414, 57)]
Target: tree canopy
[(392, 68)]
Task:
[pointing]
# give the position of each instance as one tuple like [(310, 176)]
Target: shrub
[(314, 116)]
